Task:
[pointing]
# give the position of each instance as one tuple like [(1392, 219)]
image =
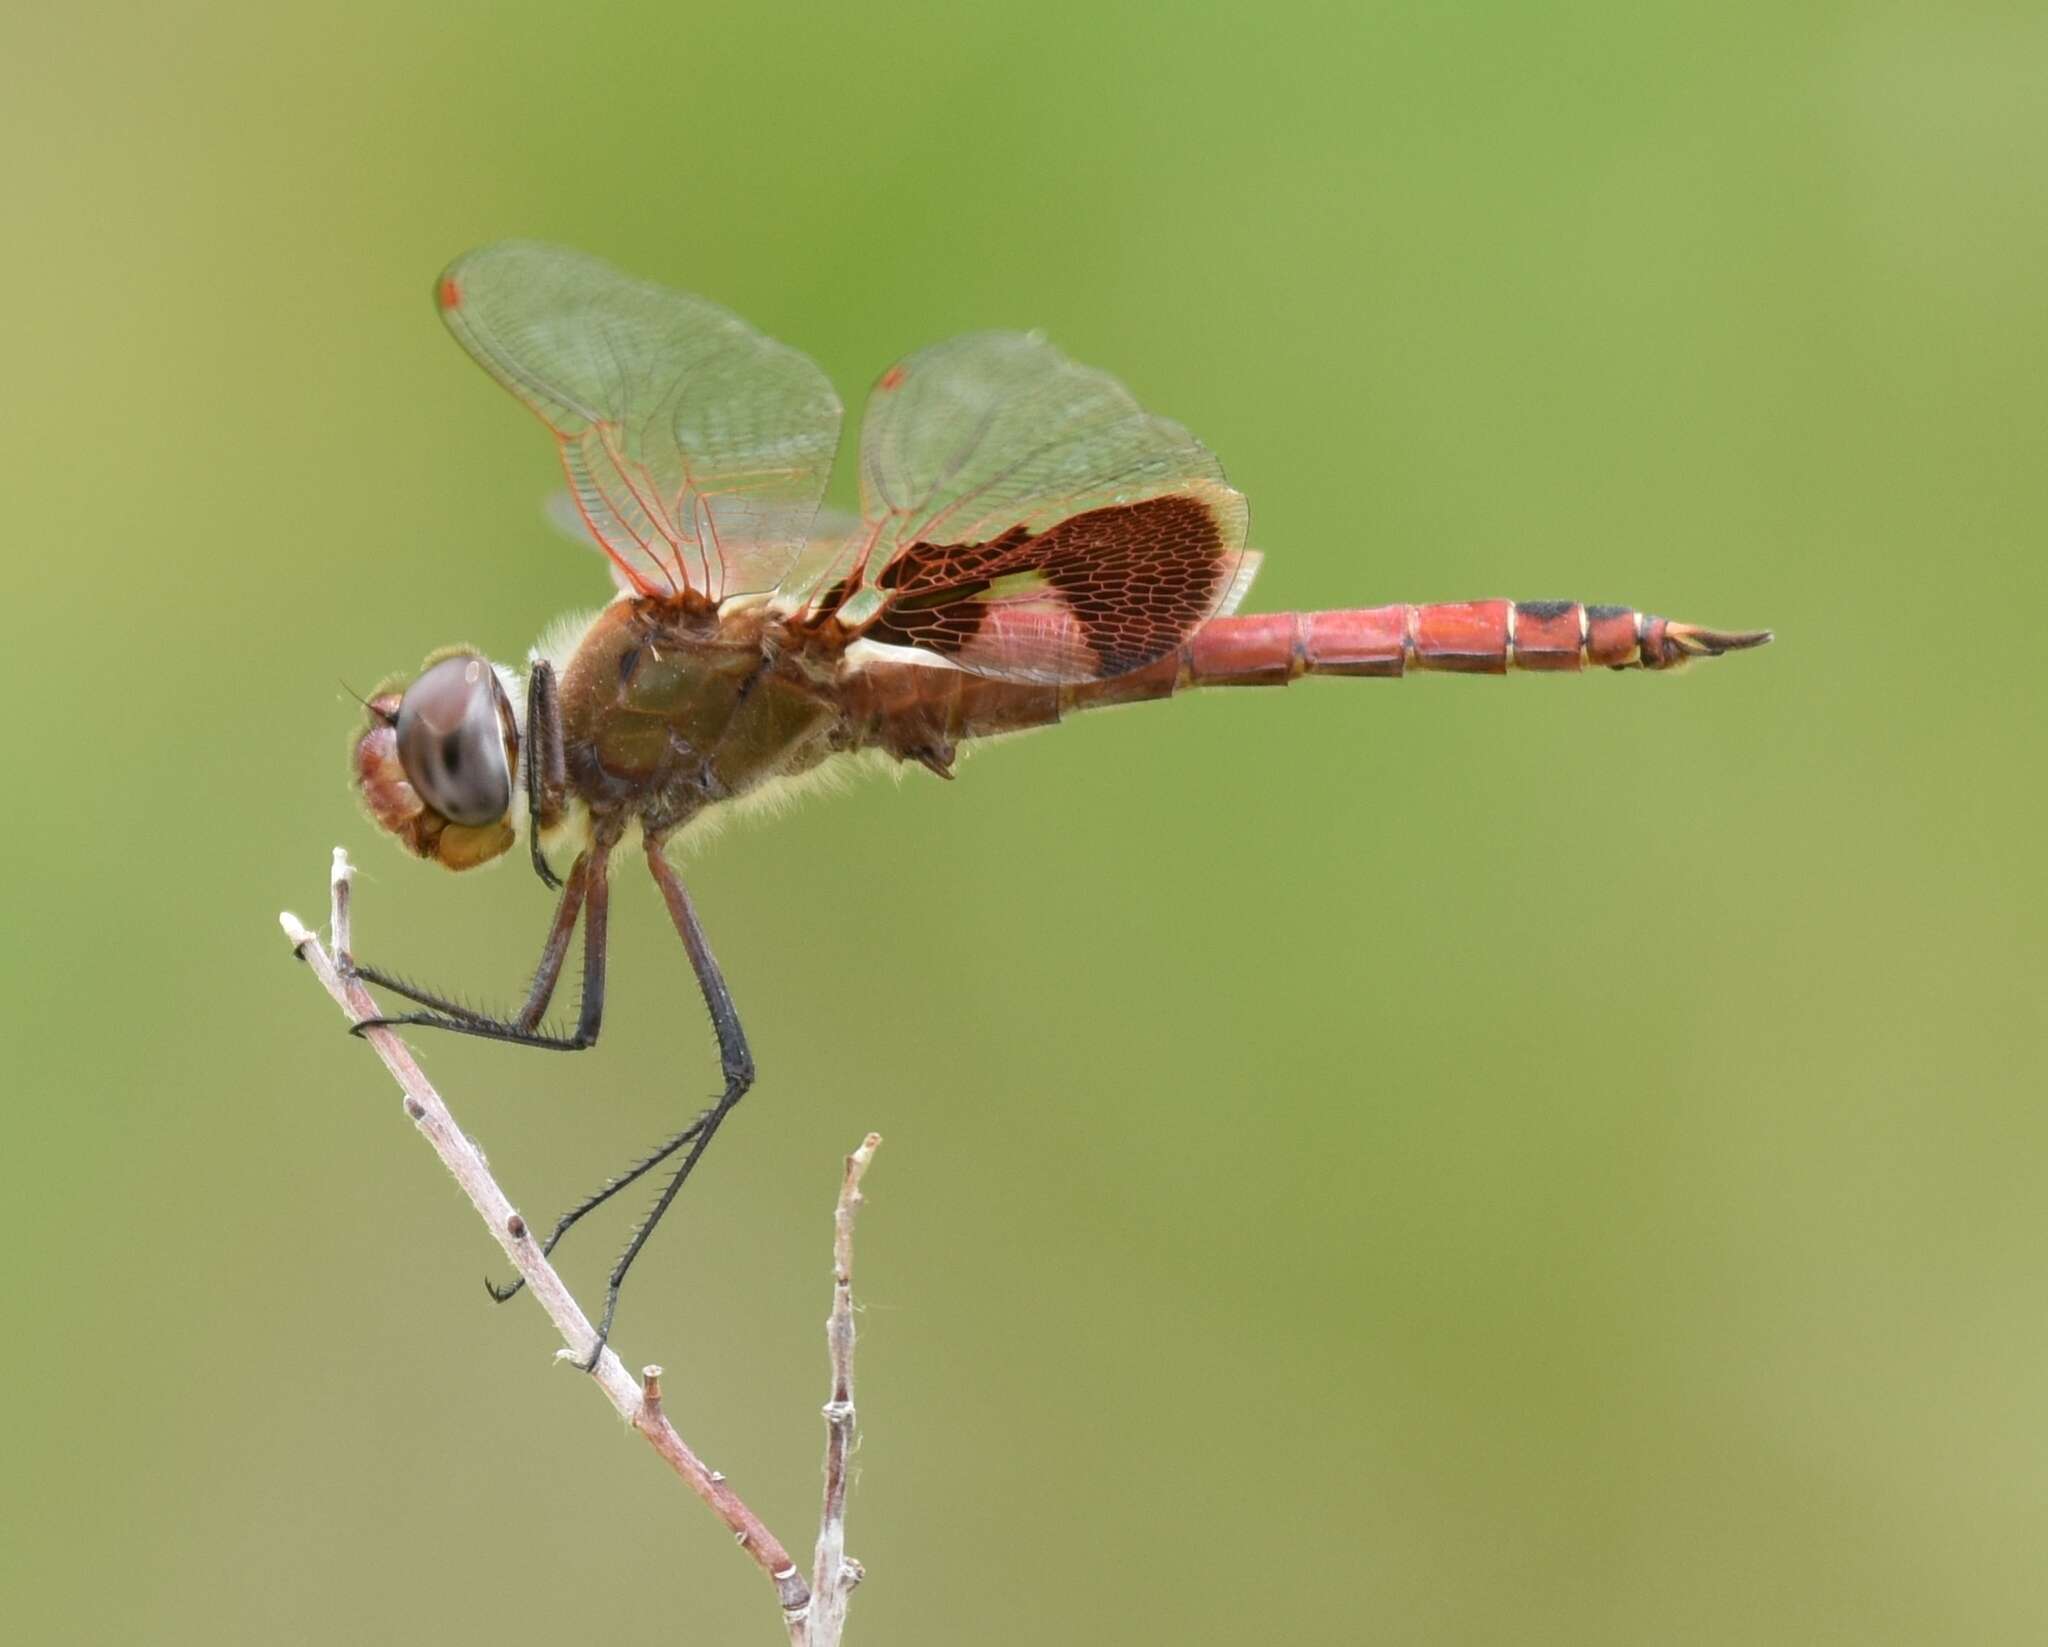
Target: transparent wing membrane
[(1021, 516), (696, 449), (1024, 517)]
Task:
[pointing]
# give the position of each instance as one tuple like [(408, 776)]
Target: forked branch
[(811, 1619)]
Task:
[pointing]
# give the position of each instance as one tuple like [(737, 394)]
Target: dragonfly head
[(435, 764)]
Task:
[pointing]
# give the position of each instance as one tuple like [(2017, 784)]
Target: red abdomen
[(920, 713), (1481, 637)]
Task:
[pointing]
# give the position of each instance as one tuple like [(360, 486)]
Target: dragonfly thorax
[(665, 712)]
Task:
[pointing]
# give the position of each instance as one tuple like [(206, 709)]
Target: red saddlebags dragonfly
[(1031, 543)]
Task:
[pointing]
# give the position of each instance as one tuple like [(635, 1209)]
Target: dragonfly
[(1030, 544)]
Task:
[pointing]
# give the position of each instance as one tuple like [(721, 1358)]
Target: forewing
[(696, 449), (830, 529), (1025, 518)]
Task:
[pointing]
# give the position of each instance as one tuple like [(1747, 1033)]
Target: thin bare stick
[(834, 1573), (640, 1407)]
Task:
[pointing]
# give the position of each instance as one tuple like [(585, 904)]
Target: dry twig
[(812, 1621), (834, 1573)]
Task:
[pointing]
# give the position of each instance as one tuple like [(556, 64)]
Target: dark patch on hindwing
[(1134, 578)]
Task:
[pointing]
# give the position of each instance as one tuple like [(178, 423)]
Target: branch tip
[(834, 1573), (338, 886)]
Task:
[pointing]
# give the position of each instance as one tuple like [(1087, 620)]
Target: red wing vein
[(621, 516), (707, 534), (611, 554)]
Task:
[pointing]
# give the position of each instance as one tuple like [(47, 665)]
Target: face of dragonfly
[(435, 763)]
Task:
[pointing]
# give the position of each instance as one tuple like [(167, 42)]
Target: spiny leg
[(597, 1198), (734, 1058), (545, 975), (586, 893)]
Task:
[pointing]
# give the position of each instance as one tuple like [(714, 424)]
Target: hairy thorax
[(667, 711)]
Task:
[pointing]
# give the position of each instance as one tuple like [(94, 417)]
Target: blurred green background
[(1456, 1161)]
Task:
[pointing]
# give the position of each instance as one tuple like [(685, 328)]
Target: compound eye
[(451, 741)]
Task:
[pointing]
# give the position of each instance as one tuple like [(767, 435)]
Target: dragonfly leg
[(585, 894), (735, 1060), (597, 1198), (547, 778)]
